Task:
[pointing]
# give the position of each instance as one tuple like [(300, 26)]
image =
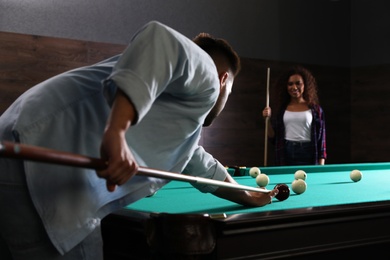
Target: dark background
[(344, 43)]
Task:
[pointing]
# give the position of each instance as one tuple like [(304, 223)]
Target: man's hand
[(246, 198), (114, 149)]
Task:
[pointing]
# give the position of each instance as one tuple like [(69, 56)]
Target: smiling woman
[(298, 127)]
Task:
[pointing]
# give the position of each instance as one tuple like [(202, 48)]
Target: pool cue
[(266, 121), (39, 154)]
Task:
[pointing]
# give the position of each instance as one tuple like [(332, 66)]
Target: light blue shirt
[(172, 83)]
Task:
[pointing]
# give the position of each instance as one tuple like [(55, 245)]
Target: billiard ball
[(356, 175), (298, 186), (300, 174), (284, 191), (254, 171), (262, 180)]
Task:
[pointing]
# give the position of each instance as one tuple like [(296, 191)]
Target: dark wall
[(326, 32), (370, 114), (237, 136), (305, 31), (28, 59), (316, 32), (344, 43), (370, 32)]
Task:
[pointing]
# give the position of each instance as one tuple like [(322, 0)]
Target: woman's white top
[(298, 125)]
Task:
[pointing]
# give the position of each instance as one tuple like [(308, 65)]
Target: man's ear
[(223, 77)]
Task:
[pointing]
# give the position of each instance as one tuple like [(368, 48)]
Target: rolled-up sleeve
[(152, 60)]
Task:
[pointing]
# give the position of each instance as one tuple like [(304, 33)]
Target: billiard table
[(333, 217)]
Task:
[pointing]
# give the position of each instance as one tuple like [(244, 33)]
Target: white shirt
[(172, 83), (297, 125)]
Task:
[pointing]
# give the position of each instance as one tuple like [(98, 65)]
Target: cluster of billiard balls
[(298, 185), (262, 180)]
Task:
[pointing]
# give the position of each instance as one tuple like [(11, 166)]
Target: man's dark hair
[(214, 46)]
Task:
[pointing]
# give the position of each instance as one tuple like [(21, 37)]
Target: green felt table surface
[(327, 185)]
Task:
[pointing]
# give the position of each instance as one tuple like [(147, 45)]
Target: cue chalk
[(40, 154)]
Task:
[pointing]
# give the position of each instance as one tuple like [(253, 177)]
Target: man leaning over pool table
[(146, 106)]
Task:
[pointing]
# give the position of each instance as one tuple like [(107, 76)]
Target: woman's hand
[(267, 112)]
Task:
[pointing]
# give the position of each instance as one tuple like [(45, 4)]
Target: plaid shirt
[(318, 136)]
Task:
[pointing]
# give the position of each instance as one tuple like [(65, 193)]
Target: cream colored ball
[(300, 174), (262, 180), (356, 175), (254, 171), (299, 186)]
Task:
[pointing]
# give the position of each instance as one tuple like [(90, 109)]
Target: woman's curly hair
[(310, 94)]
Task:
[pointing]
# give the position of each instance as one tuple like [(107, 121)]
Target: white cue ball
[(300, 174), (356, 175), (262, 180), (254, 171), (299, 186)]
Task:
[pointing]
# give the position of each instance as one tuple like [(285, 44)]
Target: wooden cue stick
[(39, 154), (266, 121)]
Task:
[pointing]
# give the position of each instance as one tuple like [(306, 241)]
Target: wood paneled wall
[(370, 114), (354, 100), (26, 60)]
